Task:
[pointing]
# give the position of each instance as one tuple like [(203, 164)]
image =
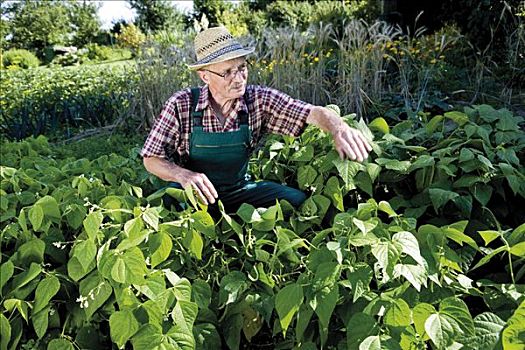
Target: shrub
[(130, 37), (100, 53), (51, 101), (19, 58)]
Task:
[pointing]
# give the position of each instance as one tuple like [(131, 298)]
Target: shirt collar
[(238, 105)]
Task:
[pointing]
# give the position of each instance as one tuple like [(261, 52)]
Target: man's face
[(226, 79)]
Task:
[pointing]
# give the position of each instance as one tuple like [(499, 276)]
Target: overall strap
[(196, 116), (243, 115)]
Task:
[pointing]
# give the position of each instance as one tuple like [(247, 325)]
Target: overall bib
[(224, 157)]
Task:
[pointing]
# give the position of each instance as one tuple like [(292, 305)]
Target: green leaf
[(60, 344), (333, 191), (5, 332), (203, 222), (441, 329), (360, 277), (386, 254), (433, 123), (231, 287), (303, 154), (122, 326), (392, 164), (398, 314), (514, 333), (458, 117), (347, 170), (92, 223), (488, 327), (160, 245), (326, 300), (36, 216), (133, 227), (379, 124), (201, 293), (85, 252), (25, 277), (306, 176), (415, 274), (372, 342), (457, 309), (128, 268), (40, 321), (287, 303), (96, 290), (31, 251), (151, 217), (458, 236), (359, 327), (518, 250), (248, 213), (46, 289), (489, 236), (420, 314), (75, 214), (385, 207), (440, 197), (206, 337), (196, 244), (482, 193), (6, 272), (409, 245)]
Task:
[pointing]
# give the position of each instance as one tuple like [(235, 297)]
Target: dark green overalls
[(224, 157)]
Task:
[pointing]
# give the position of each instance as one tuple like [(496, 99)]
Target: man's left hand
[(351, 143)]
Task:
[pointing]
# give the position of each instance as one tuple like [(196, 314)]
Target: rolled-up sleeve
[(287, 116), (164, 134)]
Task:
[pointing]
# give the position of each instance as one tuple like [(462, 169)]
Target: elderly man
[(204, 136)]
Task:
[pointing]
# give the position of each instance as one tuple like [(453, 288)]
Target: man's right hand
[(199, 183), (168, 171)]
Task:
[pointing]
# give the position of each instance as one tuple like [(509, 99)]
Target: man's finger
[(210, 186), (361, 143), (199, 193), (205, 190), (346, 147)]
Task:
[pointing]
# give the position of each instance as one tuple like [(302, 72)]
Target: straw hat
[(215, 45)]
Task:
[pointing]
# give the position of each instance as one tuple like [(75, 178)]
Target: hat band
[(218, 53)]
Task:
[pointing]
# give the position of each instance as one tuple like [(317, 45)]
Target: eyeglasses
[(230, 74)]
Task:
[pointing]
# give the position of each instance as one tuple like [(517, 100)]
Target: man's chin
[(239, 92)]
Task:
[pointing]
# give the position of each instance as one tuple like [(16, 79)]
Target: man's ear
[(204, 76)]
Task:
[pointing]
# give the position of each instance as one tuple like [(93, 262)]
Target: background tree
[(214, 10), (85, 21), (35, 25), (155, 15)]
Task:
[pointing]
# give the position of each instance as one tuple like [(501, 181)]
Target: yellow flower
[(316, 59), (433, 61)]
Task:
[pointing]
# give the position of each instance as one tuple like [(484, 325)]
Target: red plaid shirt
[(270, 111)]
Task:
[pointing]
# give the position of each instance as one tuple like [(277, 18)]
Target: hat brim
[(225, 57)]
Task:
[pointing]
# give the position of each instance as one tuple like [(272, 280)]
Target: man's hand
[(200, 184), (351, 143), (168, 171)]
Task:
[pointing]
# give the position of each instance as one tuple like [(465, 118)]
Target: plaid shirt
[(270, 111)]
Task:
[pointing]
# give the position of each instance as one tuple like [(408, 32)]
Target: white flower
[(83, 302)]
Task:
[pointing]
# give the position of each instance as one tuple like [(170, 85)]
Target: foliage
[(19, 58), (213, 9), (155, 15), (61, 102), (100, 53), (90, 257), (130, 37), (85, 22), (35, 25)]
